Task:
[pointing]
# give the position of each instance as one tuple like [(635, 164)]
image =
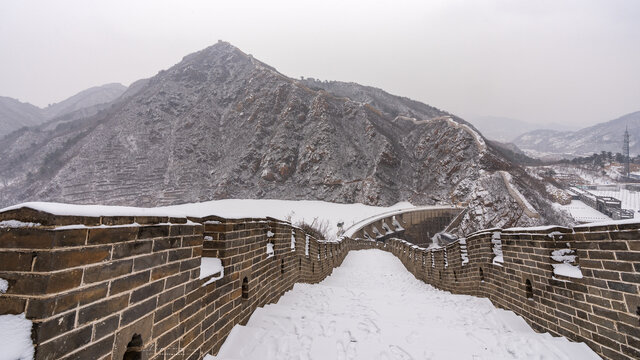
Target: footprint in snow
[(329, 329), (428, 355), (412, 337), (305, 342), (399, 353), (368, 327), (346, 347)]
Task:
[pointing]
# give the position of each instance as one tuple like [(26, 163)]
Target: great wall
[(124, 287)]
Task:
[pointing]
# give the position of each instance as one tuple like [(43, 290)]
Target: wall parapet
[(99, 287), (599, 306), (93, 287)]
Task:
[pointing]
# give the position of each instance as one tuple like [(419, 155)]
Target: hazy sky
[(575, 62)]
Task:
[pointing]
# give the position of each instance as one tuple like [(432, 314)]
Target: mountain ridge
[(606, 136), (221, 124), (15, 114)]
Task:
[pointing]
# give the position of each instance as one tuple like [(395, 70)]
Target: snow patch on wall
[(17, 224), (386, 227), (446, 259), (396, 224), (270, 251), (566, 263), (15, 332), (211, 266), (306, 246), (4, 286), (102, 226), (293, 240), (498, 259), (463, 251)]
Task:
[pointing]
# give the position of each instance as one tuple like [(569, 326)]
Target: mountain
[(502, 129), (513, 153), (85, 99), (505, 129), (221, 124), (606, 136), (14, 114)]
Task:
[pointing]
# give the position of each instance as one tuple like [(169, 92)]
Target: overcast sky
[(572, 62)]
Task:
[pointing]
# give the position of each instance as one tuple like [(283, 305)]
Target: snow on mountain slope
[(221, 124)]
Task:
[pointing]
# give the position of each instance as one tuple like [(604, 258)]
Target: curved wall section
[(415, 225)]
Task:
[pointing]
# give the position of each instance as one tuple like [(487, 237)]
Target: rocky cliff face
[(221, 124)]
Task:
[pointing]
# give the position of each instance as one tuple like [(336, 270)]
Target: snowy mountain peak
[(221, 124)]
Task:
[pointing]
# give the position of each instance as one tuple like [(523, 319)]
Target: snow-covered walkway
[(371, 308)]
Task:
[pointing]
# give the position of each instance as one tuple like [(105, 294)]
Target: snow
[(15, 332), (584, 213), (555, 234), (463, 251), (16, 224), (608, 223), (566, 259), (293, 240), (396, 224), (211, 266), (306, 245), (294, 211), (270, 251), (567, 270), (358, 313), (498, 259), (4, 286), (532, 228), (563, 255), (82, 226)]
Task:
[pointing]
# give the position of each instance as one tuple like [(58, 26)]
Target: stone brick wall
[(90, 287), (601, 309), (96, 288), (99, 287), (415, 225)]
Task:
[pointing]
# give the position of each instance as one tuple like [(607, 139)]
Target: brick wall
[(113, 284), (601, 309), (95, 286), (417, 225)]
